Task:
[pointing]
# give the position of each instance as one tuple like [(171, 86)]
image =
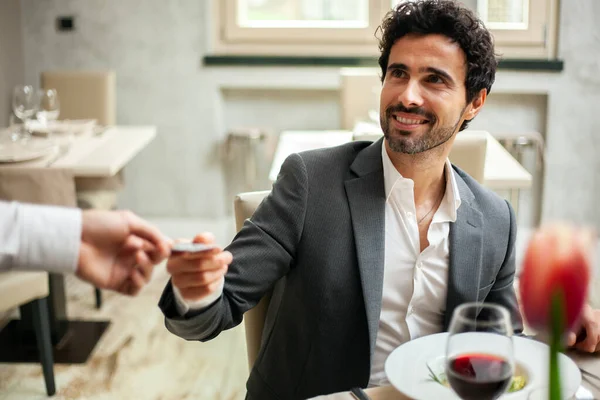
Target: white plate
[(73, 126), (406, 368), (25, 151)]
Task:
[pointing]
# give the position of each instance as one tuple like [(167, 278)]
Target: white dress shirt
[(414, 282), (39, 238)]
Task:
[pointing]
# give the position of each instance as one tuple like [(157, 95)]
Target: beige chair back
[(468, 153), (359, 93), (254, 319), (18, 288), (84, 94), (51, 186), (88, 95)]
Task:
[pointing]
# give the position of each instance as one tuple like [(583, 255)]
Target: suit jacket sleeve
[(263, 252), (503, 291), (35, 238)]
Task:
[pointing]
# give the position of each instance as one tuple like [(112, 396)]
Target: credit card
[(186, 247)]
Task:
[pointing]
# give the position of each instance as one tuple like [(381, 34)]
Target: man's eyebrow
[(398, 66), (433, 70), (439, 72)]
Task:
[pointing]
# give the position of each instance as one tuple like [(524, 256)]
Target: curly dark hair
[(451, 19)]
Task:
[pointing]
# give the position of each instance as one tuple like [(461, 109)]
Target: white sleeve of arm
[(183, 306), (39, 238)]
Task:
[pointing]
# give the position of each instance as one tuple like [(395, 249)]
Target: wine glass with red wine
[(479, 352)]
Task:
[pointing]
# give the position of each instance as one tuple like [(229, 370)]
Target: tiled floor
[(138, 358)]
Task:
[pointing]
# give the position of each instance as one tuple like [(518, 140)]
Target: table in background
[(100, 155)]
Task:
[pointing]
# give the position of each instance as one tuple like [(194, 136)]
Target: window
[(259, 24), (303, 14), (517, 31), (504, 14), (347, 27)]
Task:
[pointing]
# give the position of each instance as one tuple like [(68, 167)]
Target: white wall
[(11, 55), (572, 185)]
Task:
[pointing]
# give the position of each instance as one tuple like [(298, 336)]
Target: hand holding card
[(198, 268)]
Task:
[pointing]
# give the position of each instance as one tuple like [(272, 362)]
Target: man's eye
[(434, 79), (398, 73)]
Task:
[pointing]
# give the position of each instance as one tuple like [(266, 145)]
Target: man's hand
[(198, 275), (119, 250), (590, 321)]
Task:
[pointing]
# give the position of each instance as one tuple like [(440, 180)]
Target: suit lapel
[(366, 197), (466, 245)]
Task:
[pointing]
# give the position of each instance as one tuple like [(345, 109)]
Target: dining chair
[(468, 152), (30, 290), (254, 319), (359, 94), (48, 186), (88, 95), (84, 94)]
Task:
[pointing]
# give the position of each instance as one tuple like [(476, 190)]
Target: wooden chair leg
[(98, 298), (41, 324)]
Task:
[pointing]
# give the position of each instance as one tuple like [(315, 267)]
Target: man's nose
[(411, 95)]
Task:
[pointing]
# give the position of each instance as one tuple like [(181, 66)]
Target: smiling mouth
[(408, 121)]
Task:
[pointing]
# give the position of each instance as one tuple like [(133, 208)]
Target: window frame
[(537, 41)]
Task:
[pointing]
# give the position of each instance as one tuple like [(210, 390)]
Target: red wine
[(479, 376)]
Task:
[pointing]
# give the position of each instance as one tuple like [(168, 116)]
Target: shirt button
[(419, 265), (409, 214), (411, 310)]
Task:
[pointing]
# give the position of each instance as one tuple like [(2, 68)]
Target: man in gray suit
[(378, 243)]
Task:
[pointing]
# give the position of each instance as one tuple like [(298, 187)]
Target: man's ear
[(476, 104)]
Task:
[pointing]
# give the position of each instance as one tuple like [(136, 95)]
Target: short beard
[(433, 138)]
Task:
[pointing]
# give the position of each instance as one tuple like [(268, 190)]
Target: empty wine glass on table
[(48, 112), (49, 106), (15, 127), (479, 353), (24, 103)]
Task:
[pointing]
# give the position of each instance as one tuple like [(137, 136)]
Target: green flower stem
[(556, 346)]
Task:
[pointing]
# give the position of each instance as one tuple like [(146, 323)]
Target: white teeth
[(409, 121)]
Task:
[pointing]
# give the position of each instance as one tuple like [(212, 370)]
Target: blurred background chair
[(260, 316), (88, 95), (29, 290), (84, 94), (359, 96), (468, 153)]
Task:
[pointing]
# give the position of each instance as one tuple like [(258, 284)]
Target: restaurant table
[(585, 361), (99, 155)]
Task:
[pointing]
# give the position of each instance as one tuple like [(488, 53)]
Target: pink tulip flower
[(557, 261)]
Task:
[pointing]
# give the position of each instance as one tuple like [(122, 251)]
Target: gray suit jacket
[(322, 228)]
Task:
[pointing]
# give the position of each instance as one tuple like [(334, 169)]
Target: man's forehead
[(416, 51)]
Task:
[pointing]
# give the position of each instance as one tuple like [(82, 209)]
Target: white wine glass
[(24, 104)]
